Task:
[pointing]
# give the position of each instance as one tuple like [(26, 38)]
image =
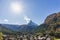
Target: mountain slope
[(53, 24), (11, 27), (5, 30), (28, 28)]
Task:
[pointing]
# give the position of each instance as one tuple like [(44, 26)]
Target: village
[(26, 37)]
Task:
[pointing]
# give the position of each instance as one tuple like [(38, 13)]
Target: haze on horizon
[(22, 11)]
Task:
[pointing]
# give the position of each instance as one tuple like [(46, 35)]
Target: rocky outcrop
[(53, 23), (53, 18)]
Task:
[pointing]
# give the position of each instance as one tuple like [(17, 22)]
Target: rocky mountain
[(31, 23), (28, 28), (54, 21), (51, 24), (53, 18)]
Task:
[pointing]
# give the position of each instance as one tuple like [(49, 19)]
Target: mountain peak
[(32, 23), (27, 19)]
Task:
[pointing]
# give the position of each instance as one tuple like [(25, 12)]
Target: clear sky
[(17, 11)]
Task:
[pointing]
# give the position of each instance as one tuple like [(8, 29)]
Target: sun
[(16, 7)]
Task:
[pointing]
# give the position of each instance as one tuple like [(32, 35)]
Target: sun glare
[(16, 7)]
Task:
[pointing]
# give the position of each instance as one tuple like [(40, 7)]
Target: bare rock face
[(53, 21), (51, 24), (53, 18)]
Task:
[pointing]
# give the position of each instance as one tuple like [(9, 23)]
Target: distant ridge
[(21, 28)]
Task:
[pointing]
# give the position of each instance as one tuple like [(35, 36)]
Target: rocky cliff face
[(53, 23), (53, 18)]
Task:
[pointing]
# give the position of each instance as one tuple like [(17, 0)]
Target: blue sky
[(35, 10)]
